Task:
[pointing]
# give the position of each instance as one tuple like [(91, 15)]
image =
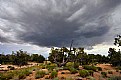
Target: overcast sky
[(37, 25)]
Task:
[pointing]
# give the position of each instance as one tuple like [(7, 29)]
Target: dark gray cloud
[(56, 22)]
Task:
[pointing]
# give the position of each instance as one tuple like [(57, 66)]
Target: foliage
[(91, 72), (70, 64), (56, 78), (91, 78), (51, 66), (115, 57), (76, 65), (61, 56), (39, 74), (83, 73), (6, 76), (53, 74), (119, 67), (37, 58), (69, 78), (118, 40), (94, 59), (104, 74), (115, 78), (20, 58), (99, 68), (73, 70), (87, 67)]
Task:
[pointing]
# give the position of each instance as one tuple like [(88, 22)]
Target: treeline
[(61, 56), (20, 58)]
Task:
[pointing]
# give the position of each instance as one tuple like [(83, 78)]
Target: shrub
[(27, 72), (99, 68), (104, 74), (56, 78), (39, 74), (76, 65), (51, 66), (70, 64), (69, 78), (53, 74), (21, 76), (73, 70), (91, 72), (65, 68), (90, 67), (91, 78), (110, 72), (83, 73), (115, 78), (119, 68)]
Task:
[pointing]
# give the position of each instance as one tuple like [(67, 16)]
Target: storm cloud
[(56, 22)]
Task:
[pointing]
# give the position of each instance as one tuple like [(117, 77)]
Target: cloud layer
[(56, 22)]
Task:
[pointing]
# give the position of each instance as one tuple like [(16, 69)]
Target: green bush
[(65, 68), (39, 74), (119, 68), (91, 72), (87, 67), (76, 65), (83, 73), (51, 66), (104, 74), (115, 78), (21, 75), (91, 78), (73, 70), (56, 78), (69, 78), (70, 64), (99, 68), (53, 74)]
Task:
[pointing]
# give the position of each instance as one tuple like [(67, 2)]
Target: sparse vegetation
[(99, 68), (73, 70), (87, 67), (62, 61), (53, 74), (115, 78), (39, 74), (83, 73)]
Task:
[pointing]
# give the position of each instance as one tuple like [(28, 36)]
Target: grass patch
[(53, 74), (39, 74)]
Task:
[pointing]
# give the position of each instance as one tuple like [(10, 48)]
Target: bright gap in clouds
[(31, 49)]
